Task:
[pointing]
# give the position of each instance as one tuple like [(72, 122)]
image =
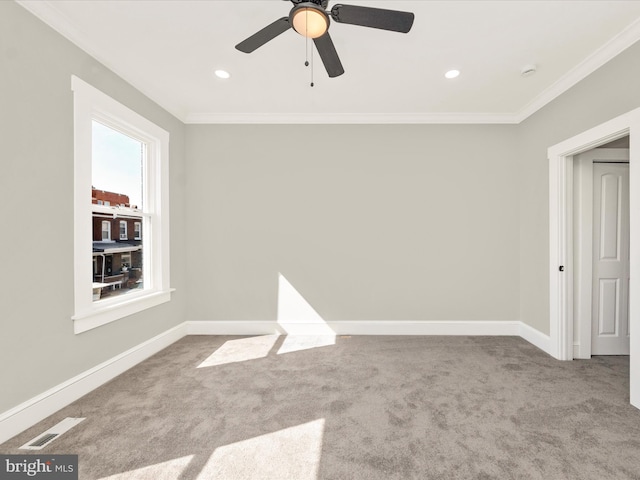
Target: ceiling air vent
[(50, 435)]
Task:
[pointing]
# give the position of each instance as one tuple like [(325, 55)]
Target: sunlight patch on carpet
[(169, 470), (241, 350), (292, 453)]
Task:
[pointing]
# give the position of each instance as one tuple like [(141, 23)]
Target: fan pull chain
[(312, 65), (306, 46), (306, 62), (306, 42)]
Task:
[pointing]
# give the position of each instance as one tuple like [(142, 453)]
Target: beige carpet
[(363, 408)]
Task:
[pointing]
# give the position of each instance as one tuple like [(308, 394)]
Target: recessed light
[(222, 74), (452, 74)]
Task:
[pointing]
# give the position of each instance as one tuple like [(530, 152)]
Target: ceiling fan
[(309, 19)]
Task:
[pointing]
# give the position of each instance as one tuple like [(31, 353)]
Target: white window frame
[(137, 231), (108, 230), (91, 104), (125, 235)]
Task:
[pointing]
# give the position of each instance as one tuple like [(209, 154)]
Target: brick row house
[(117, 243)]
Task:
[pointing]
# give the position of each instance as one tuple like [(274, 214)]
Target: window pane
[(117, 169), (106, 231), (116, 165)]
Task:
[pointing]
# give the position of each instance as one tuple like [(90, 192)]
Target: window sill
[(102, 314)]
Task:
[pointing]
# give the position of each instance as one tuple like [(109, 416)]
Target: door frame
[(561, 283), (583, 242)]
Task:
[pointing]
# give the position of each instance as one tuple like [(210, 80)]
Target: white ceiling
[(169, 50)]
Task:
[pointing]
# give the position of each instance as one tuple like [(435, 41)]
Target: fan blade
[(393, 20), (329, 56), (263, 36)]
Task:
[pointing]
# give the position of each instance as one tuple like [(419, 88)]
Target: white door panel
[(609, 313), (610, 212), (610, 323)]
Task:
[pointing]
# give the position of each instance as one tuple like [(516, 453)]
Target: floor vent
[(42, 441), (50, 435)]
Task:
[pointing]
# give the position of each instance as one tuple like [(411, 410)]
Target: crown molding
[(351, 118), (602, 55), (46, 11)]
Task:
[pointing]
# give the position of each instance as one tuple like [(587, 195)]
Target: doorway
[(561, 275), (601, 251)]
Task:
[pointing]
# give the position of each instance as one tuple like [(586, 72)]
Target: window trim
[(137, 230), (91, 104)]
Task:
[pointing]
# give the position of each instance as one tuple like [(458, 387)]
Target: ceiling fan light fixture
[(309, 20)]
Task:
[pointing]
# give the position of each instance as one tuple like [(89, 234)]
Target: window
[(123, 230), (124, 157), (106, 231)]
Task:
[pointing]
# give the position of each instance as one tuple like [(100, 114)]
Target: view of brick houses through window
[(117, 215), (117, 245)]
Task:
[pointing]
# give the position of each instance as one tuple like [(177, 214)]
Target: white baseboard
[(354, 327), (414, 327), (535, 337), (373, 327), (232, 327), (28, 413)]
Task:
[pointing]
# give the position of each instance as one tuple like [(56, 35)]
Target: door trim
[(560, 158)]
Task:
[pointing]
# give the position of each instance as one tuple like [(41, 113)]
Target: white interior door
[(610, 310)]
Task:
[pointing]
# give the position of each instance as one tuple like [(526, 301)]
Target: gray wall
[(368, 226), (38, 348), (391, 222), (612, 90)]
